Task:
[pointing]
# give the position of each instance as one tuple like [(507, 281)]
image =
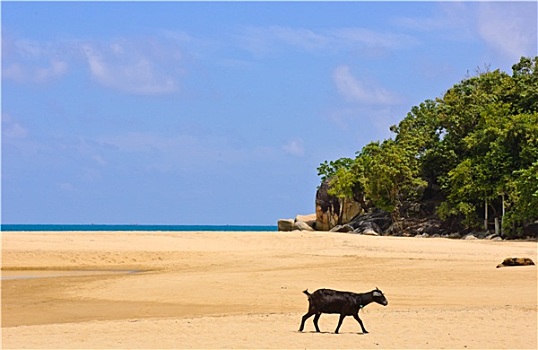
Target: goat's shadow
[(328, 332)]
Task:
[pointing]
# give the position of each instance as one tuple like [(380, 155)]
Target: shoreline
[(133, 227), (245, 289)]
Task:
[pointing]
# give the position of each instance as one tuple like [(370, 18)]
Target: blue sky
[(220, 112)]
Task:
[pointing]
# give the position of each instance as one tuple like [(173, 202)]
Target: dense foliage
[(477, 146)]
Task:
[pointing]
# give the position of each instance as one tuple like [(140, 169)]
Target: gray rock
[(492, 236), (302, 226), (285, 224), (432, 229), (370, 232), (377, 220), (367, 227), (479, 234), (342, 228)]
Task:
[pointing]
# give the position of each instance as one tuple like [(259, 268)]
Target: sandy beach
[(184, 290)]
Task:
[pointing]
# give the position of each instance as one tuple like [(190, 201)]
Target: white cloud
[(129, 68), (452, 15), (11, 129), (34, 73), (294, 147), (509, 28), (15, 131), (356, 91), (368, 104), (143, 66), (26, 61), (17, 135), (300, 37), (99, 159), (346, 37), (55, 70), (261, 40), (30, 49)]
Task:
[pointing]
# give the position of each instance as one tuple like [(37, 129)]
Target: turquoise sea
[(131, 227)]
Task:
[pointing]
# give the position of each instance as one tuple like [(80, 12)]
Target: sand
[(209, 290)]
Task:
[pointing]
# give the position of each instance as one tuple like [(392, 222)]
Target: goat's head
[(379, 297)]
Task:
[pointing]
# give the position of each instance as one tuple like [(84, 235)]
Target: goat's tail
[(307, 294)]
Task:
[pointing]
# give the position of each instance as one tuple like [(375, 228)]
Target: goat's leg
[(356, 316), (342, 316), (316, 318), (305, 317)]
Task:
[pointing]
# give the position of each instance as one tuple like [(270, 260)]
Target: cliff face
[(332, 211), (359, 216)]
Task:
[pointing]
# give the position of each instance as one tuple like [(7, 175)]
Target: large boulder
[(332, 211), (285, 224), (302, 226), (367, 228), (375, 220), (306, 218), (309, 220)]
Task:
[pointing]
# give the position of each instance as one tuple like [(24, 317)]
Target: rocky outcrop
[(415, 218), (332, 211)]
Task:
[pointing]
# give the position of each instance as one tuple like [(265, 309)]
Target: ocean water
[(131, 227)]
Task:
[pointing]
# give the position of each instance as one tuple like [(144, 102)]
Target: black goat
[(328, 301)]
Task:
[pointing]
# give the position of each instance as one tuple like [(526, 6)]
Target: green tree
[(478, 143), (489, 141), (524, 197), (389, 174), (327, 170)]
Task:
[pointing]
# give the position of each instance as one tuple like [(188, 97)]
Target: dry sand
[(244, 290)]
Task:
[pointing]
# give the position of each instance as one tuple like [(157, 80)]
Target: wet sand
[(244, 290)]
